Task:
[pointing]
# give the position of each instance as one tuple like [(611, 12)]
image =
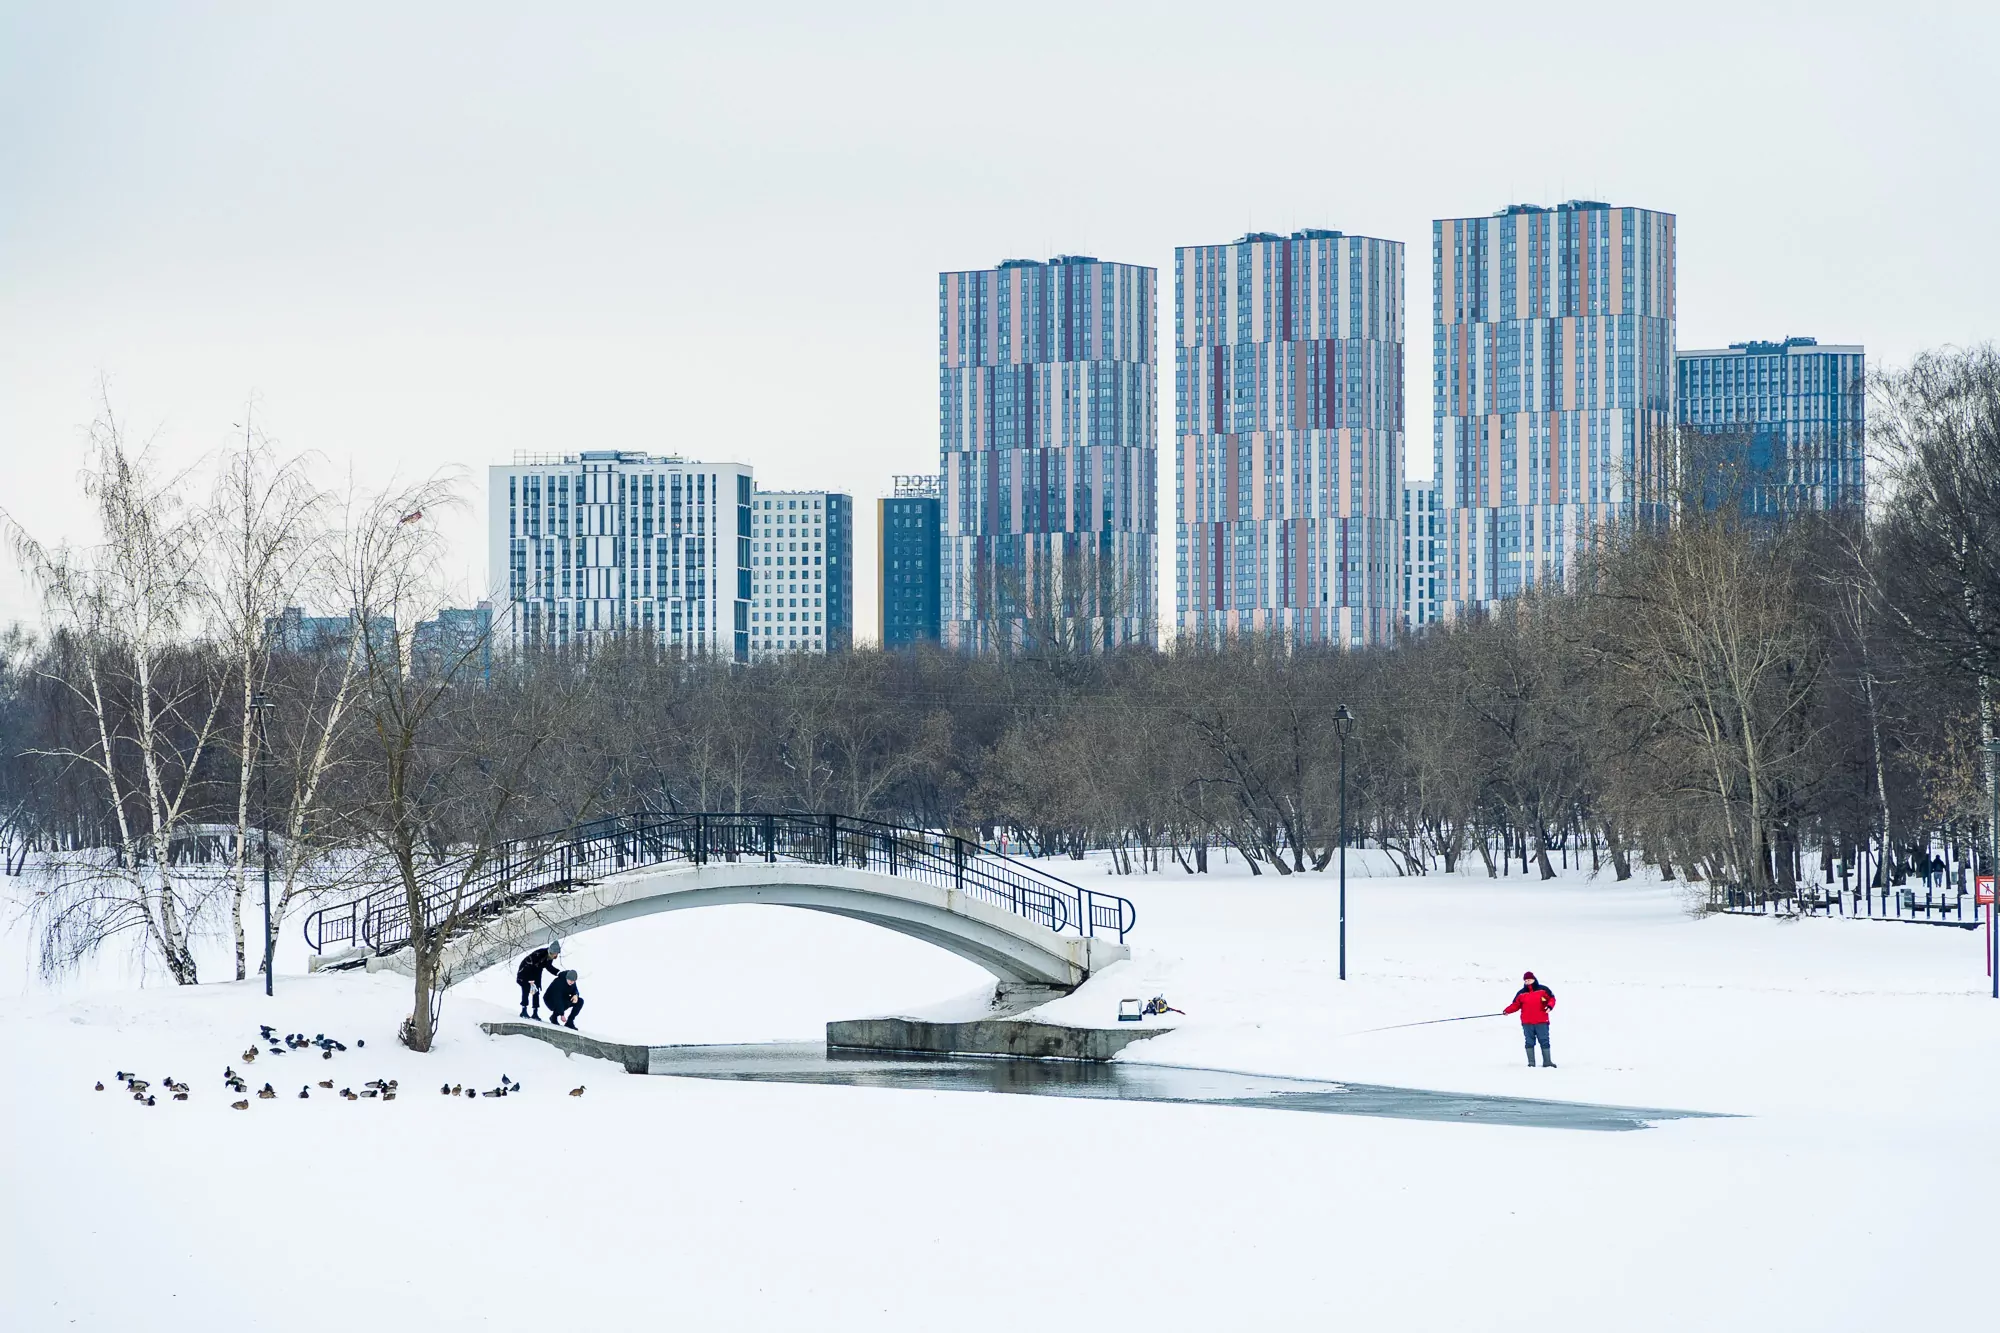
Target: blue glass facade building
[(1778, 427), (910, 532)]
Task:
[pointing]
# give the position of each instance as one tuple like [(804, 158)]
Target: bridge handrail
[(468, 888)]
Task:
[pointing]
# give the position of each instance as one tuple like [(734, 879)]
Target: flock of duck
[(382, 1089)]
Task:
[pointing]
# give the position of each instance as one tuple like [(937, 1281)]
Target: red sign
[(1982, 890)]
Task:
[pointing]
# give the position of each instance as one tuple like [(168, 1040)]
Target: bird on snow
[(180, 1096), (249, 1055), (303, 1094), (239, 1106), (576, 1092), (357, 1042), (326, 1055), (266, 1092), (121, 1076), (445, 1091), (389, 1096), (137, 1084), (326, 1083), (149, 1101), (265, 1029), (100, 1086)]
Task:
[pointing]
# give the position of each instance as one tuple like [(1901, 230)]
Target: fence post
[(833, 839), (770, 839), (958, 862), (700, 839)]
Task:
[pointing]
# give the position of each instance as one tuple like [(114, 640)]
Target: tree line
[(1734, 700)]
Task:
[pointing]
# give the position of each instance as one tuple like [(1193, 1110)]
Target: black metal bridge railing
[(463, 892)]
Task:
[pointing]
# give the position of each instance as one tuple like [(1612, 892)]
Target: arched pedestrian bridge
[(1028, 928)]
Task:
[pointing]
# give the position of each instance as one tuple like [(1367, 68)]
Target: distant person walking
[(564, 999), (529, 974), (1534, 1002)]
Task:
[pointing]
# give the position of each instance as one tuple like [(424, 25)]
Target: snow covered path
[(1863, 1056)]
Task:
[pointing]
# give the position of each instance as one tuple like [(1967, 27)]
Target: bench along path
[(1037, 934)]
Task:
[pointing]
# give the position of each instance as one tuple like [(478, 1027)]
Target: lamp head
[(1343, 721)]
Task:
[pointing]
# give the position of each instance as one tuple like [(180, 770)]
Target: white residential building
[(614, 541), (1423, 524), (802, 572)]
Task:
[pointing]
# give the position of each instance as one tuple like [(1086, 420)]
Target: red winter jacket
[(1534, 1001)]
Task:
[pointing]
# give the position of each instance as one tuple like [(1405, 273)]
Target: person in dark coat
[(565, 1003), (1533, 1002), (529, 974)]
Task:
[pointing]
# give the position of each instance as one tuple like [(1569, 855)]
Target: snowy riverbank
[(1863, 1057)]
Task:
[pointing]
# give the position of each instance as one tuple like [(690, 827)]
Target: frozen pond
[(809, 1062)]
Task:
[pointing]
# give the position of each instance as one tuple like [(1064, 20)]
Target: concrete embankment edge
[(1000, 1038), (1016, 1039), (636, 1059)]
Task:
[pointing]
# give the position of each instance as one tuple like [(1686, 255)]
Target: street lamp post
[(1343, 722), (260, 703), (1992, 748)]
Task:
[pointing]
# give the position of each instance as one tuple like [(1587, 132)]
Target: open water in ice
[(809, 1062)]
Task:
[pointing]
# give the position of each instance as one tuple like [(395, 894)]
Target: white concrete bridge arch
[(1014, 949)]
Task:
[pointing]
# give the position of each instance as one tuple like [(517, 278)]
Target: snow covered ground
[(1862, 1058)]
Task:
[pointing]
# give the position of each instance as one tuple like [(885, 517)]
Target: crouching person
[(564, 1001)]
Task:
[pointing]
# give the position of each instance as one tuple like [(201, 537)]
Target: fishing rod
[(1462, 1018)]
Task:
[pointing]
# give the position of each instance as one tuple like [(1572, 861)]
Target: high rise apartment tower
[(1047, 380), (1288, 411), (1553, 389)]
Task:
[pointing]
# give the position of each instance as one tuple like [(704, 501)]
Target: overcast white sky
[(431, 235)]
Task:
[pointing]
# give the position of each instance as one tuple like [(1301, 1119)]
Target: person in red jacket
[(1534, 1002)]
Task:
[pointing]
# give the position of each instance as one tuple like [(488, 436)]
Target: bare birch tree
[(265, 530), (124, 611)]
